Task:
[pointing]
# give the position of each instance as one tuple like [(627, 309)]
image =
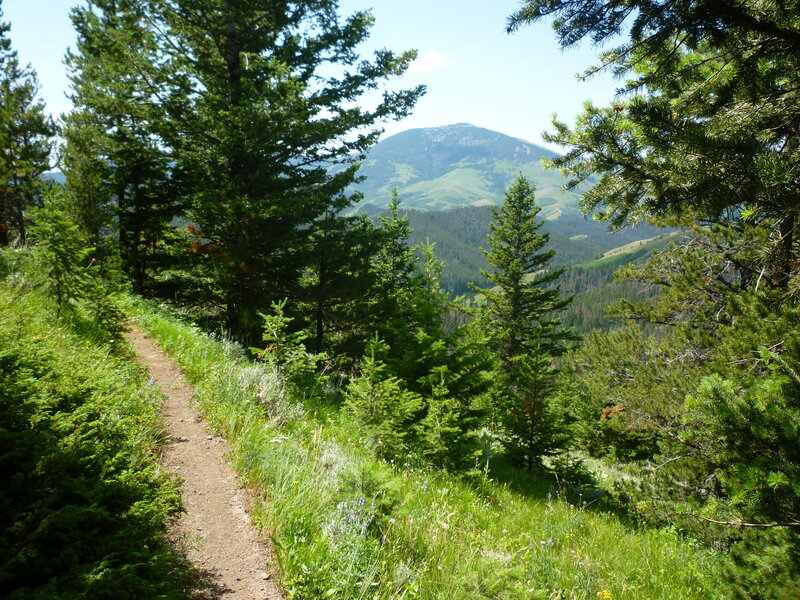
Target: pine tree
[(429, 386), (259, 98), (395, 266), (117, 167), (382, 405), (26, 133), (61, 252), (712, 125), (517, 317), (407, 295), (338, 284)]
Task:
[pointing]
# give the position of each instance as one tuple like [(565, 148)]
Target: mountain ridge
[(451, 166)]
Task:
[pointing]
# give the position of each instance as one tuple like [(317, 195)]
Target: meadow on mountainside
[(452, 166)]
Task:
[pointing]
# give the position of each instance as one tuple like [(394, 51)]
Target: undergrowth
[(83, 504), (349, 526)]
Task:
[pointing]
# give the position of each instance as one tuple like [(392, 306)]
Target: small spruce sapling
[(61, 252), (286, 350), (381, 404)]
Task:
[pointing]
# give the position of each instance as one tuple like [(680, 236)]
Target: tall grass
[(348, 526)]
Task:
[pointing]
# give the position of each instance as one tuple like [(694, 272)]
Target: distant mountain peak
[(435, 168), (467, 134)]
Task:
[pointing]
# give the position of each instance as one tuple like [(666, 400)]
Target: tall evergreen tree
[(518, 318), (712, 119), (26, 141), (260, 102), (118, 171), (338, 283)]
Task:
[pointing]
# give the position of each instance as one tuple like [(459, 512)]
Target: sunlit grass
[(348, 526)]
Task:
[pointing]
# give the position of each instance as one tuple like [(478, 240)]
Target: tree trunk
[(320, 316), (4, 217), (785, 250)]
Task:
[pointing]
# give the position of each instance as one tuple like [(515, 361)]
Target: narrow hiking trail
[(215, 532)]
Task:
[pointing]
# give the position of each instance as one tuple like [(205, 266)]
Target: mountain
[(453, 166)]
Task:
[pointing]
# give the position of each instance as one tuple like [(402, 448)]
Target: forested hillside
[(459, 235), (400, 442)]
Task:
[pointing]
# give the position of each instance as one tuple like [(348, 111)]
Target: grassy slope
[(347, 526), (82, 503), (458, 165)]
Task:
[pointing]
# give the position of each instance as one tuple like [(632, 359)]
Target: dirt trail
[(215, 531)]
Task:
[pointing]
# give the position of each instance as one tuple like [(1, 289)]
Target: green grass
[(348, 526), (83, 504), (632, 251)]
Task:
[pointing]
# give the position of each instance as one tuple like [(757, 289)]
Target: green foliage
[(83, 504), (711, 401), (382, 405), (287, 351), (116, 164), (257, 109), (61, 251), (456, 377), (624, 390), (697, 72), (744, 418), (338, 285), (520, 306), (396, 270), (517, 320), (26, 140), (448, 430), (435, 416), (66, 272), (531, 425), (409, 311)]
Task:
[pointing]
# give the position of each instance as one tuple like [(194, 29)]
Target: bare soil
[(215, 532)]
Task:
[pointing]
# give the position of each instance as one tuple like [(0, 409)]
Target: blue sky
[(474, 71)]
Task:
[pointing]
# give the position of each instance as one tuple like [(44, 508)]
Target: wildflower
[(605, 595)]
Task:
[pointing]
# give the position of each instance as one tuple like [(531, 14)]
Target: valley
[(448, 177)]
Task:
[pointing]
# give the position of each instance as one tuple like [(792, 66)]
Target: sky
[(474, 71)]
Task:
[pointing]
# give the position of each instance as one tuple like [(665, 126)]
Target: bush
[(82, 503)]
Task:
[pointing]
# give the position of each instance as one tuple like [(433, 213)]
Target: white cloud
[(429, 61)]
